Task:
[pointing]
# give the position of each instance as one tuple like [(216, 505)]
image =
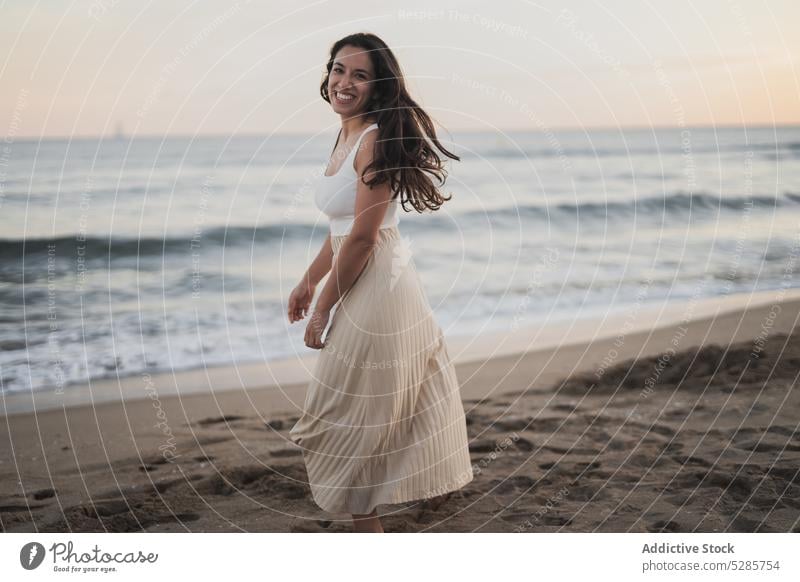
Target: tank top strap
[(358, 143)]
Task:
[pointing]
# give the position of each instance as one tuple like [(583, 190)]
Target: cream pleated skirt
[(383, 420)]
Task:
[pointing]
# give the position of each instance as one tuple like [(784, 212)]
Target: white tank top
[(335, 195)]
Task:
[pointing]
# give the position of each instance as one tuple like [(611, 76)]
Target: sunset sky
[(192, 68)]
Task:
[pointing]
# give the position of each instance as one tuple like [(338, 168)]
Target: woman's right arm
[(320, 265), (301, 296)]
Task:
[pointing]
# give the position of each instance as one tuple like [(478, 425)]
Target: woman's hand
[(316, 325), (299, 301)]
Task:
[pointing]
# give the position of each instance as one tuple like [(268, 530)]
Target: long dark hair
[(402, 155)]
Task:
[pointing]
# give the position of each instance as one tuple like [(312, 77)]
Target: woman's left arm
[(371, 206)]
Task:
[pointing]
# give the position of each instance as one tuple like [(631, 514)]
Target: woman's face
[(351, 81)]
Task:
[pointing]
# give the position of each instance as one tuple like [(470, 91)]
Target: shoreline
[(292, 374)]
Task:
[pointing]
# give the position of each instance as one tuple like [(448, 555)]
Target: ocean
[(128, 255)]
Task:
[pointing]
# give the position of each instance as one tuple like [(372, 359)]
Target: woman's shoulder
[(366, 145)]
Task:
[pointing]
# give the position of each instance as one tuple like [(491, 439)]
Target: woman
[(383, 420)]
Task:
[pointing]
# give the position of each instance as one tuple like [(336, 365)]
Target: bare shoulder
[(366, 150)]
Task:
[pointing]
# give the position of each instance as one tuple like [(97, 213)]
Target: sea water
[(131, 255)]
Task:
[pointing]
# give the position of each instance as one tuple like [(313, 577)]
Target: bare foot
[(369, 523)]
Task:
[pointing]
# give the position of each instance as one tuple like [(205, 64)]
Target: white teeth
[(343, 97)]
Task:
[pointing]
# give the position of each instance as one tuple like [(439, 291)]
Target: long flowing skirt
[(383, 420)]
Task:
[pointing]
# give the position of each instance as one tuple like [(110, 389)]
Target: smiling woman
[(383, 420)]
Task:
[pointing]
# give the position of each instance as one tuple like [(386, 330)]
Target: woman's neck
[(354, 126)]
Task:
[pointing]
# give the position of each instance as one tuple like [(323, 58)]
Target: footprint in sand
[(665, 526), (43, 494), (219, 420)]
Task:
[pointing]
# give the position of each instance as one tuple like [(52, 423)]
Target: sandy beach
[(676, 420)]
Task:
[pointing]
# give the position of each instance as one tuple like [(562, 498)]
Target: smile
[(343, 97)]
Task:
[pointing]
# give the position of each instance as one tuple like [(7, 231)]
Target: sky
[(96, 67)]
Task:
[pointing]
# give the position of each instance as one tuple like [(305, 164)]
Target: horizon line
[(126, 136)]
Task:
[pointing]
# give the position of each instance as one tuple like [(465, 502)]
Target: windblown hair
[(403, 157)]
